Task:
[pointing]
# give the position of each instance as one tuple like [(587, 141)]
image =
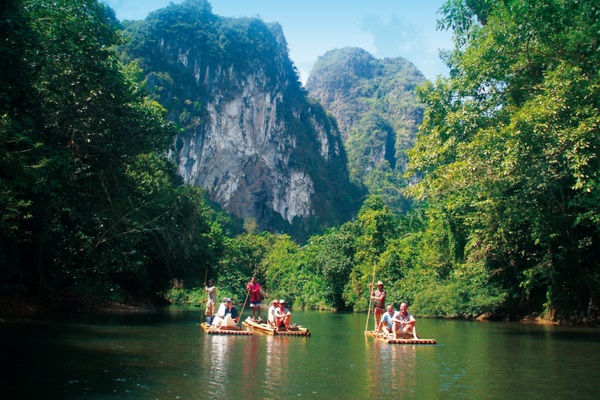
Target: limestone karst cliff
[(251, 138), (376, 107)]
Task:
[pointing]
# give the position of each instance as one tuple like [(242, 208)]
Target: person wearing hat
[(231, 316), (211, 301), (378, 298), (271, 312), (282, 316)]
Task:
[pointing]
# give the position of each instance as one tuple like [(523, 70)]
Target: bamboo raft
[(215, 331), (269, 330), (403, 339)]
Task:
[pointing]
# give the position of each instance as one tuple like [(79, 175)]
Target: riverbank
[(27, 307)]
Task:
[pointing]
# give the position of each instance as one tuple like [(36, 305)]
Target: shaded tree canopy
[(89, 206)]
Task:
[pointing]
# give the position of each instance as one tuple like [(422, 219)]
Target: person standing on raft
[(378, 298), (253, 288)]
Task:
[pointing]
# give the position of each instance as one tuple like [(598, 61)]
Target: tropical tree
[(91, 208), (508, 151)]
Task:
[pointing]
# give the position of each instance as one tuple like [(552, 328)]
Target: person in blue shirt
[(386, 323)]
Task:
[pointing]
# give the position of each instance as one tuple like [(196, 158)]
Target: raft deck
[(404, 339), (264, 327), (215, 331)]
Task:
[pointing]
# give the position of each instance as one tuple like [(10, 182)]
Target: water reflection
[(277, 359), (391, 367), (218, 360), (250, 366)]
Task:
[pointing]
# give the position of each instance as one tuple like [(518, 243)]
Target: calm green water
[(168, 356)]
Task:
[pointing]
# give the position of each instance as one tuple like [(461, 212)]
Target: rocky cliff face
[(251, 137)]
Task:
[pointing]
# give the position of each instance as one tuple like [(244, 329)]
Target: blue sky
[(385, 28)]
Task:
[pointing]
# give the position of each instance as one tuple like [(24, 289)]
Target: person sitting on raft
[(404, 322), (231, 317), (217, 319), (282, 316), (271, 312), (386, 322)]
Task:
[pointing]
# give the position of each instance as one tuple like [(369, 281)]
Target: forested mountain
[(376, 107), (251, 138)]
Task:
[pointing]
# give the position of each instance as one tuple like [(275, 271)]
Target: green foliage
[(506, 163), (243, 259), (179, 295), (283, 274), (508, 150), (89, 209)]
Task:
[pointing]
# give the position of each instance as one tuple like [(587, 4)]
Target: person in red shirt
[(253, 289)]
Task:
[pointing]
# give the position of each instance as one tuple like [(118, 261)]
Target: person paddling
[(253, 288), (378, 297), (211, 301)]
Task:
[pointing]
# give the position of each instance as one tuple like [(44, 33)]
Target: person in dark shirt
[(231, 316)]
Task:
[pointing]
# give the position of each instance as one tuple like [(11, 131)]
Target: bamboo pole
[(370, 299), (244, 306), (205, 292)]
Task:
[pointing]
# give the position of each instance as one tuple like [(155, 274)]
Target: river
[(166, 355)]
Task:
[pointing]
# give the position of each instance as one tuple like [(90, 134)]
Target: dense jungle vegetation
[(506, 222)]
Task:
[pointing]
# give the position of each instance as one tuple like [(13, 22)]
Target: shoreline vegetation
[(17, 310)]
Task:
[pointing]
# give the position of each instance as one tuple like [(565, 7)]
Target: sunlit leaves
[(508, 149)]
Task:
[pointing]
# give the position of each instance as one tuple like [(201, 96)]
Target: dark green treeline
[(91, 210)]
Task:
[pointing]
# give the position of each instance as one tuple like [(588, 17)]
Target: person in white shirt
[(211, 301), (282, 316), (231, 316), (271, 312), (404, 322), (218, 318)]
